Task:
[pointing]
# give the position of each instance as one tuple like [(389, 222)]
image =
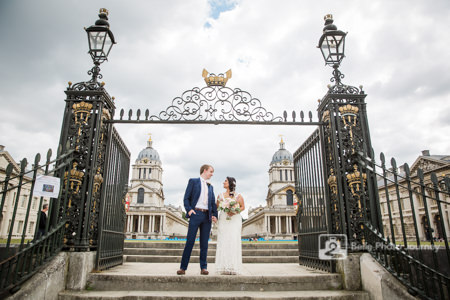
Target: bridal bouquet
[(229, 206)]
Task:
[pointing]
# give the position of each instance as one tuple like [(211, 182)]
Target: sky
[(398, 50)]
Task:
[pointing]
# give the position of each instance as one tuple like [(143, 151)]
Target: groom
[(200, 205)]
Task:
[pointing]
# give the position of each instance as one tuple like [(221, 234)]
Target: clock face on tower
[(285, 162), (145, 160)]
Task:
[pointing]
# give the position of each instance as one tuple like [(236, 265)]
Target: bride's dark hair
[(231, 185)]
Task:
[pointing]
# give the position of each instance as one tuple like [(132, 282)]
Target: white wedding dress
[(229, 248)]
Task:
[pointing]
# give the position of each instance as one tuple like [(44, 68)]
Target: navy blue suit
[(197, 220)]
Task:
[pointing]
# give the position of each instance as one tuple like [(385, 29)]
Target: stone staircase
[(167, 252), (271, 271)]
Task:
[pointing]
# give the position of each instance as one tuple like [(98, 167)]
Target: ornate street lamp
[(101, 40), (332, 46), (85, 129)]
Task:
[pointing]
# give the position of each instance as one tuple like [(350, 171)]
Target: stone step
[(212, 245), (220, 295), (211, 252), (255, 283), (210, 258)]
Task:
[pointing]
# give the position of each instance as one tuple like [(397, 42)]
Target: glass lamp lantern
[(100, 38), (332, 43)]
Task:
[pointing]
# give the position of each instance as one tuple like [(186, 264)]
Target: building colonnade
[(279, 224), (145, 224)]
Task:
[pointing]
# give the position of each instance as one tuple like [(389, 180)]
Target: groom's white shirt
[(200, 203)]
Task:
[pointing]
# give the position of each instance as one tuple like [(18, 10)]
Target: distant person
[(200, 205), (229, 226), (43, 220)]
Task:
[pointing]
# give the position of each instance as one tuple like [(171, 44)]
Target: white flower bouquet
[(229, 206)]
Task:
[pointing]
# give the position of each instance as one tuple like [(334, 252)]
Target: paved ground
[(194, 269)]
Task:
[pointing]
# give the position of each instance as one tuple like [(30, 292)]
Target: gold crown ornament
[(354, 180), (348, 109), (82, 111), (76, 178), (349, 114), (213, 80)]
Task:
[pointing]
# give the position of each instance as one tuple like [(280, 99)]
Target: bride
[(229, 225)]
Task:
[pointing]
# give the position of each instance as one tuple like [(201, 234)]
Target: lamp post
[(346, 134), (86, 128), (101, 40), (332, 46)]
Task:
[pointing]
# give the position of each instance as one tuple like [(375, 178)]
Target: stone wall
[(67, 270)]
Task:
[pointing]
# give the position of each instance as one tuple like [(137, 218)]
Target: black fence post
[(346, 139), (88, 107)]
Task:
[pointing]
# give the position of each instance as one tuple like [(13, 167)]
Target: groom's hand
[(191, 212), (214, 219)]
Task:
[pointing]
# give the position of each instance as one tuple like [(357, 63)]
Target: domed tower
[(281, 178), (147, 216), (277, 220), (146, 178)]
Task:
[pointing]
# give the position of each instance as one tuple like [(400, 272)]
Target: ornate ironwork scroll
[(214, 103), (217, 104)]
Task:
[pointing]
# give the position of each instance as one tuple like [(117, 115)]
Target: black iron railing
[(415, 211), (22, 257)]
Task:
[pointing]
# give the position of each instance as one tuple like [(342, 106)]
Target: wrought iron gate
[(314, 206), (328, 166), (95, 214), (112, 211)]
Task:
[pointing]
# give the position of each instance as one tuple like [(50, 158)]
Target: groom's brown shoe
[(181, 272), (204, 272)]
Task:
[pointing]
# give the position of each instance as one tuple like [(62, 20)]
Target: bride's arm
[(240, 199), (218, 200)]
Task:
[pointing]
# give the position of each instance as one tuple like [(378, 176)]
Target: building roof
[(149, 153), (426, 162), (282, 154)]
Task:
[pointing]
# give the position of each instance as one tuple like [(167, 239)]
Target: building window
[(139, 173), (290, 197), (31, 227), (13, 200), (291, 174), (285, 174), (281, 175), (140, 198), (24, 199), (35, 200), (149, 172), (419, 197), (20, 227), (145, 170), (392, 206)]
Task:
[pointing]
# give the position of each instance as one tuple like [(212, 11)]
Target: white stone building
[(10, 201), (438, 164), (147, 216), (276, 220)]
